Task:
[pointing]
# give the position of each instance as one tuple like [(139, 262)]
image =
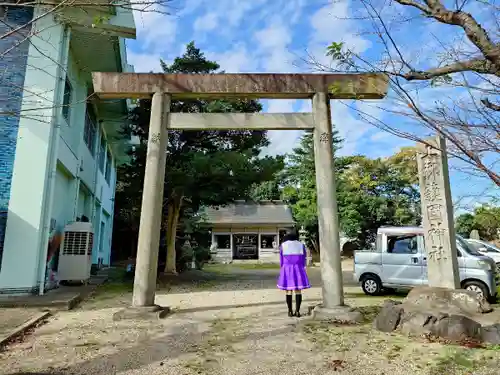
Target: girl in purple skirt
[(293, 275)]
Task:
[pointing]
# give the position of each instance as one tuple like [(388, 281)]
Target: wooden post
[(152, 199), (329, 237)]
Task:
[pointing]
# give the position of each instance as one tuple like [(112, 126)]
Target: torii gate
[(165, 87)]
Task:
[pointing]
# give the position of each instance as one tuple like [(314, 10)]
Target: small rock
[(491, 334), (457, 328), (388, 318)]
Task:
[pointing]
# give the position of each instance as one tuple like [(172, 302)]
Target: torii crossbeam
[(165, 87)]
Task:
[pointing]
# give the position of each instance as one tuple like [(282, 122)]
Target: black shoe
[(290, 314), (297, 314)]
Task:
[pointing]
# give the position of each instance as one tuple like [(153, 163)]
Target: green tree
[(465, 224), (376, 192), (267, 190), (485, 219), (203, 167)]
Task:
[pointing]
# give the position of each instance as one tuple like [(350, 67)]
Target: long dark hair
[(291, 235)]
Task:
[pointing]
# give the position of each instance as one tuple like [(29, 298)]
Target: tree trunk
[(174, 209), (315, 245)]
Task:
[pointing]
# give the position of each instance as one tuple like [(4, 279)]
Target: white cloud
[(236, 10), (280, 105), (282, 141), (331, 23), (206, 22), (276, 35), (155, 30), (235, 60), (144, 63), (377, 136)]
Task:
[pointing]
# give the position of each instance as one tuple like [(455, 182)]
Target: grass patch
[(223, 335), (112, 290), (454, 362), (369, 312), (339, 337), (198, 366)]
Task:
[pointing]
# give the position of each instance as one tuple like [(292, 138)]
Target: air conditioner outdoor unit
[(75, 258)]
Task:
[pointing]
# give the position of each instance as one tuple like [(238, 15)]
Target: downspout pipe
[(97, 159), (55, 134)]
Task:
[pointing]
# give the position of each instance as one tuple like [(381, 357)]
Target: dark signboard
[(246, 246)]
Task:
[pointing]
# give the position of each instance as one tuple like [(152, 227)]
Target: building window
[(102, 153), (66, 105), (268, 241), (107, 175), (223, 241), (90, 132), (402, 244), (282, 234)]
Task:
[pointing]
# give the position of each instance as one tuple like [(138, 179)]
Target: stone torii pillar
[(146, 265), (321, 88)]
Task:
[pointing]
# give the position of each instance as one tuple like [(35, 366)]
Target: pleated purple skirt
[(293, 277)]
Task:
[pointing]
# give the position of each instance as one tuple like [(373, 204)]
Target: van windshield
[(467, 247)]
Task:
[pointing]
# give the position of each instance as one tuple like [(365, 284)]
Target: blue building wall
[(14, 54)]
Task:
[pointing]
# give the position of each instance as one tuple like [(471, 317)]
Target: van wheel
[(371, 285), (477, 287)]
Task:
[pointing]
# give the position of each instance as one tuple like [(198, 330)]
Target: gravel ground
[(10, 318), (208, 335)]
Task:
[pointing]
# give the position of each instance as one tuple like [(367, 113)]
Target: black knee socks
[(298, 301), (289, 302)]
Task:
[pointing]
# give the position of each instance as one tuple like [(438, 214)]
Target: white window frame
[(275, 234), (223, 234)]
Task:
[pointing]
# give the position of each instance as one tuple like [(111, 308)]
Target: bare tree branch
[(490, 105), (474, 31), (465, 115), (476, 65)]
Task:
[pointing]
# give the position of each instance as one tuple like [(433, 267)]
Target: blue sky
[(281, 36)]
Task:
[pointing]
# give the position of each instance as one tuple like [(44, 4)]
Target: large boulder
[(450, 301), (457, 328), (491, 334), (416, 323), (389, 316), (440, 312)]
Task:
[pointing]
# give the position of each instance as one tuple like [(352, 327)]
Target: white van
[(399, 261), (486, 248)]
